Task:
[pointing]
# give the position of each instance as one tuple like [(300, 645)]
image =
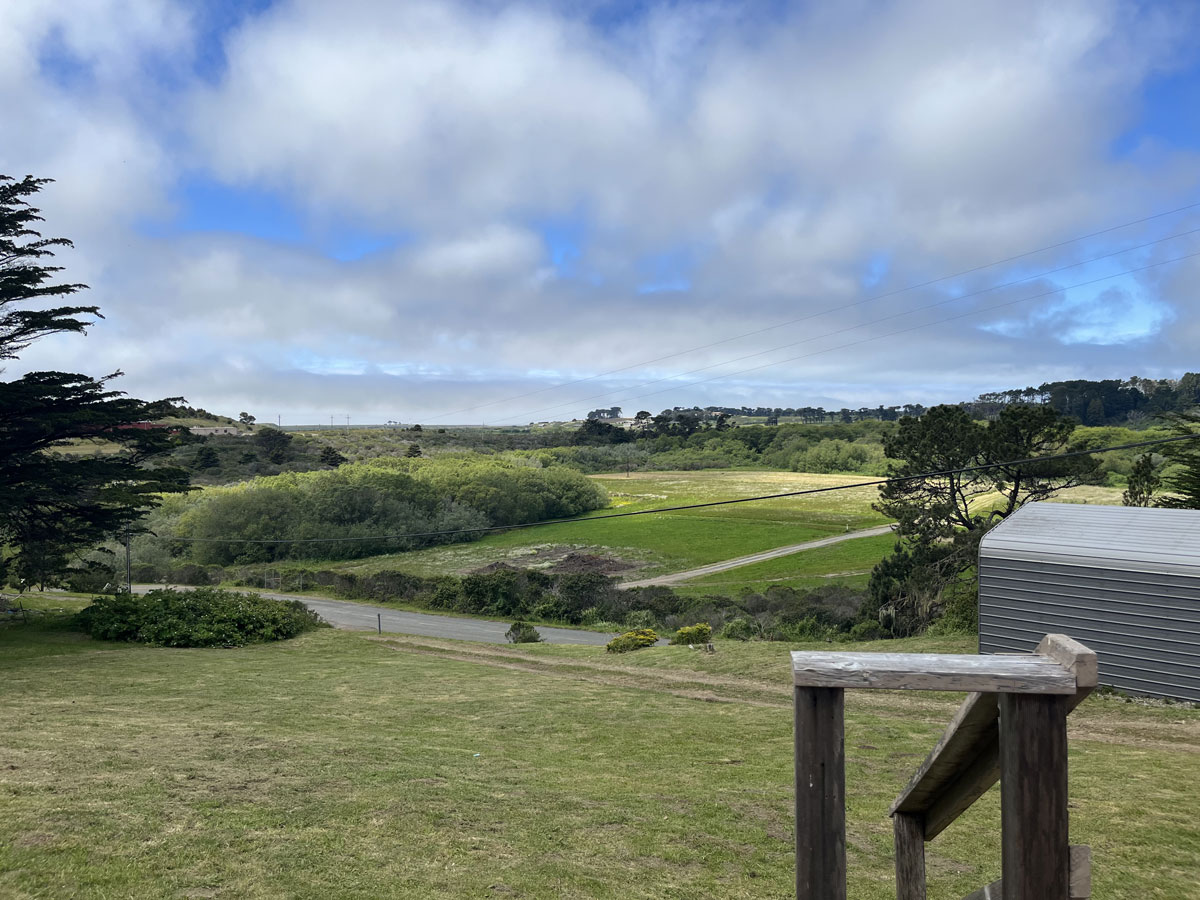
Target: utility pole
[(128, 567)]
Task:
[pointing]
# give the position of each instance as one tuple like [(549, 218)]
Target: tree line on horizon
[(1111, 401)]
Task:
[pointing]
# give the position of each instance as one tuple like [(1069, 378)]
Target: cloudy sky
[(451, 212)]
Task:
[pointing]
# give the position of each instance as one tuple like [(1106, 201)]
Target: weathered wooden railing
[(1012, 728)]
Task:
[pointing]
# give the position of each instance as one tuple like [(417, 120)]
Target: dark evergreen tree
[(599, 432), (274, 444), (1144, 480), (52, 504), (941, 517), (206, 458), (1184, 481), (330, 457)]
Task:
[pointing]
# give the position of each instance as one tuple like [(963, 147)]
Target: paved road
[(360, 617), (677, 577)]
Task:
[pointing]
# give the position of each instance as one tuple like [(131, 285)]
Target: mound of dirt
[(579, 563), (495, 567)]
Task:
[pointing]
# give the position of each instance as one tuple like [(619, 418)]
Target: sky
[(482, 212)]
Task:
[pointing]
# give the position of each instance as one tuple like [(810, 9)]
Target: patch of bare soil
[(495, 567), (564, 561), (582, 563)]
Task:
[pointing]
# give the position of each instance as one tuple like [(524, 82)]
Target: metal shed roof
[(1128, 537)]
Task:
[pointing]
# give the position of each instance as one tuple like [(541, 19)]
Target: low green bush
[(640, 619), (867, 631), (741, 629), (92, 578), (700, 633), (810, 628), (522, 633), (632, 640), (206, 617)]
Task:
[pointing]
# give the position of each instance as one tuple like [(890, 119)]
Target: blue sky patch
[(1170, 113), (667, 272), (209, 206), (1109, 313), (876, 269), (564, 241), (63, 67), (215, 20)]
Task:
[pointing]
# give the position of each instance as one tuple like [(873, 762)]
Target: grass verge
[(338, 765)]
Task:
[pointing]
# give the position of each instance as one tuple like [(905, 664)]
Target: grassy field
[(847, 562), (339, 765), (672, 542), (665, 542)]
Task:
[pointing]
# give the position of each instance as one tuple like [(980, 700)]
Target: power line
[(898, 315), (876, 337), (777, 325), (667, 509)]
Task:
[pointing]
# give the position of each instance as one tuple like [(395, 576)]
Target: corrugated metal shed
[(1125, 581)]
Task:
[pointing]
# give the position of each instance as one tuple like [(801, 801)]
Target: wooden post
[(820, 794), (1033, 797), (910, 856)]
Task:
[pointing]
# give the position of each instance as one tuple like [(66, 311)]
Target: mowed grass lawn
[(666, 542), (341, 765)]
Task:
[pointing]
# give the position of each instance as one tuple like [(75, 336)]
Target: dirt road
[(676, 577)]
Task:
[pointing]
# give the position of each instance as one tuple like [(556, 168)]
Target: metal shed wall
[(1125, 581)]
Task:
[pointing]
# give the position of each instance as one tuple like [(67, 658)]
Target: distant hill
[(190, 416)]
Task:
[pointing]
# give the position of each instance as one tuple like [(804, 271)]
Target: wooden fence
[(1012, 728)]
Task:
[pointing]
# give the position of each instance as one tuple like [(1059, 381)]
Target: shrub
[(700, 633), (808, 629), (92, 578), (632, 640), (446, 596), (741, 629), (867, 631), (960, 608), (522, 633), (640, 619), (206, 617)]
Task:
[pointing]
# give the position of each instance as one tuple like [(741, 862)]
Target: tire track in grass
[(691, 686), (1100, 721)]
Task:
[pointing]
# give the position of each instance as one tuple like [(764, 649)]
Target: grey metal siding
[(1125, 582)]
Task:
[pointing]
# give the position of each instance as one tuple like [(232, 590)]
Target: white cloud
[(787, 154)]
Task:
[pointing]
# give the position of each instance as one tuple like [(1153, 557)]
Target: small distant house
[(1125, 581), (206, 430)]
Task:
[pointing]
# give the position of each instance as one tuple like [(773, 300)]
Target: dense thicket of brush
[(403, 500)]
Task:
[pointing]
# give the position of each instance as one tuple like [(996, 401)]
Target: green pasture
[(847, 563), (341, 765), (664, 542)]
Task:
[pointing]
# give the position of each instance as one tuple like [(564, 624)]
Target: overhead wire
[(888, 318), (808, 316), (668, 509), (876, 337)]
